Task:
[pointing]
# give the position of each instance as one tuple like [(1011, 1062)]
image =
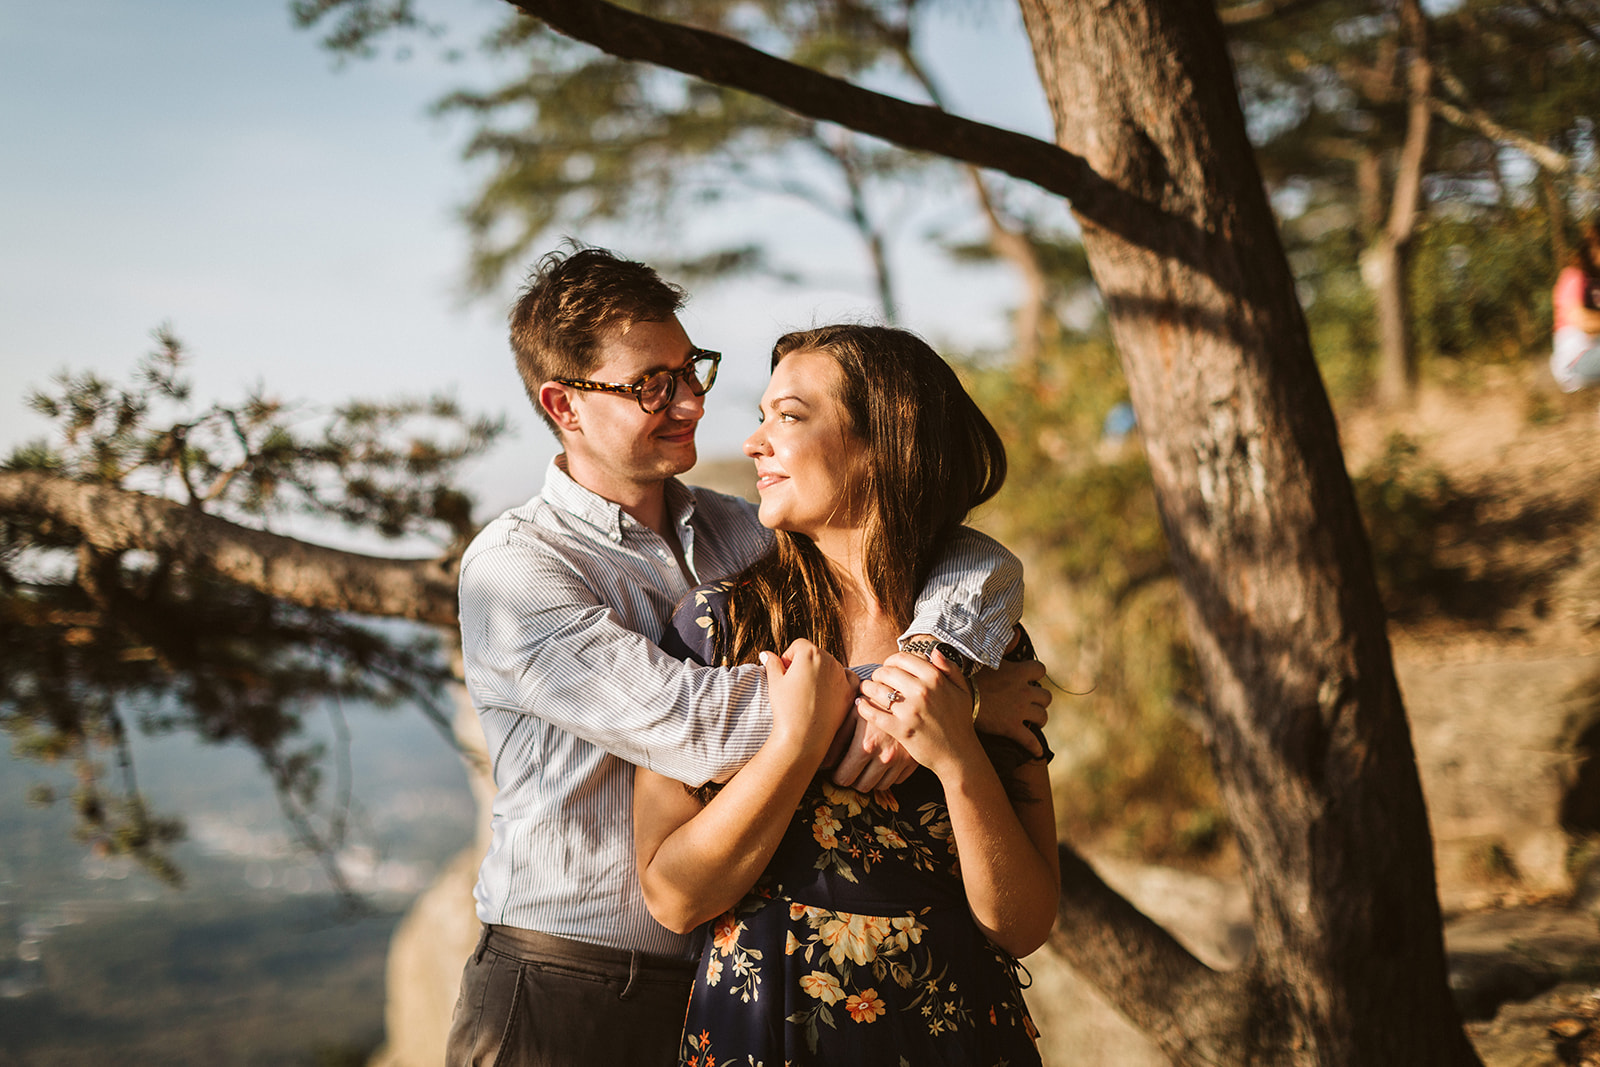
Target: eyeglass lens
[(656, 391)]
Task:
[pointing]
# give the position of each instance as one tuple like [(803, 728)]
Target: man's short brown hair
[(570, 302)]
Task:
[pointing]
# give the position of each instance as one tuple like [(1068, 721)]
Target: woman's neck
[(870, 635)]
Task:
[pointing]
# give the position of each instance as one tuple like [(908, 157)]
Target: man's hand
[(871, 758), (1010, 697)]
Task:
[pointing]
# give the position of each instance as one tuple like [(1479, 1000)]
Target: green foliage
[(1082, 508), (95, 641), (1407, 505), (1338, 307), (1324, 87), (1482, 293), (579, 140), (387, 467)]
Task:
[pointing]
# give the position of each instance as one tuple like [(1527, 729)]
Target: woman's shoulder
[(707, 601), (696, 621)]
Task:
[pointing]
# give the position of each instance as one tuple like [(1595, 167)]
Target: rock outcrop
[(439, 932)]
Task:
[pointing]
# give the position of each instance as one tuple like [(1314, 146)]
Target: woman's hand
[(810, 692), (926, 705)]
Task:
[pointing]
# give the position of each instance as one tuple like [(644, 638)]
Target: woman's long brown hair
[(930, 458)]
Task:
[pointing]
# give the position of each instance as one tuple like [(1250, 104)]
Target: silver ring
[(894, 696)]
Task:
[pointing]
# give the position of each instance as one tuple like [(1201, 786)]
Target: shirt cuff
[(957, 625)]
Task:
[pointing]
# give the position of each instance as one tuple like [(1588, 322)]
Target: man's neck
[(644, 502)]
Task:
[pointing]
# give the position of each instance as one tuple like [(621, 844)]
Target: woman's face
[(808, 459)]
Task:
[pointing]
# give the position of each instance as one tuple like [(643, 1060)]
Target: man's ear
[(556, 400)]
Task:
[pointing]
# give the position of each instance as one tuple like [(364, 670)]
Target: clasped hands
[(913, 706)]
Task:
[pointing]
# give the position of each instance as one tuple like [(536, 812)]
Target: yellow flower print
[(866, 1007), (825, 829), (725, 935), (888, 838), (803, 911), (907, 932), (854, 936), (854, 803), (823, 986), (884, 798), (792, 945), (713, 968)]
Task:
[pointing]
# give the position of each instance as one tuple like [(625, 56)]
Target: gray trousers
[(535, 1000)]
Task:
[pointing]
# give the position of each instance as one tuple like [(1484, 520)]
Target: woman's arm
[(1007, 849), (697, 862)]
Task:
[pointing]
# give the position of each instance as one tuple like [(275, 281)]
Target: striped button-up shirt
[(562, 601)]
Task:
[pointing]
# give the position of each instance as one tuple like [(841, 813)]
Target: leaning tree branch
[(1476, 120), (1259, 10), (1195, 1014), (119, 520), (806, 92)]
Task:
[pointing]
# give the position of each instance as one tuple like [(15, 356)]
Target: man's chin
[(683, 458)]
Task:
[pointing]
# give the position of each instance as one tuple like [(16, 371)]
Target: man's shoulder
[(534, 530), (714, 504)]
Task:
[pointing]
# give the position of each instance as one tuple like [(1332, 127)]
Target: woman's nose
[(756, 444)]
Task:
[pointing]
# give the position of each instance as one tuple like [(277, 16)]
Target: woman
[(849, 932), (1575, 360)]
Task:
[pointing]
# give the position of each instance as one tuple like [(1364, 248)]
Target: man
[(561, 601)]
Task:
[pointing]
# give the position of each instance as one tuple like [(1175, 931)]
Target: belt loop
[(633, 972), (483, 943)]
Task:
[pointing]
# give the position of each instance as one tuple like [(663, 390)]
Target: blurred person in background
[(1575, 361)]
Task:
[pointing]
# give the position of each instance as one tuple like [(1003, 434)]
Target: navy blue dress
[(856, 946)]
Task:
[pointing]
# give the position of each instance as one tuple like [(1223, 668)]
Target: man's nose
[(685, 405)]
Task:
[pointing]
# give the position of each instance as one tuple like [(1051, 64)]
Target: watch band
[(925, 647)]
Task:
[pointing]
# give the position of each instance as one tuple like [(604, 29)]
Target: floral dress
[(856, 946)]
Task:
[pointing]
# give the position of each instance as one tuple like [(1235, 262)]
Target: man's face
[(619, 445)]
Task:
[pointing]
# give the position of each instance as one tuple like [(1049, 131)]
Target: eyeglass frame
[(636, 389)]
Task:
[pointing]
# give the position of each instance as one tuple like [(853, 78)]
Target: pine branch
[(1476, 120), (725, 61), (1557, 12), (117, 520)]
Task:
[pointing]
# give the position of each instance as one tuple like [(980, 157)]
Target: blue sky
[(204, 164)]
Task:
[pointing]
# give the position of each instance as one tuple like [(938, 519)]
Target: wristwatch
[(925, 647)]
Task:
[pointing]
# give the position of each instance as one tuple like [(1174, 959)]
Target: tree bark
[(1312, 748), (120, 520)]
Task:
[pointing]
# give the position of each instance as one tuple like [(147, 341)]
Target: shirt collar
[(560, 491)]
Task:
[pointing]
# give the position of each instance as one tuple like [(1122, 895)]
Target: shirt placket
[(650, 545)]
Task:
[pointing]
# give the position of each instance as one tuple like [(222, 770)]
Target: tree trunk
[(1383, 265), (1310, 739), (1383, 269), (1556, 213)]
